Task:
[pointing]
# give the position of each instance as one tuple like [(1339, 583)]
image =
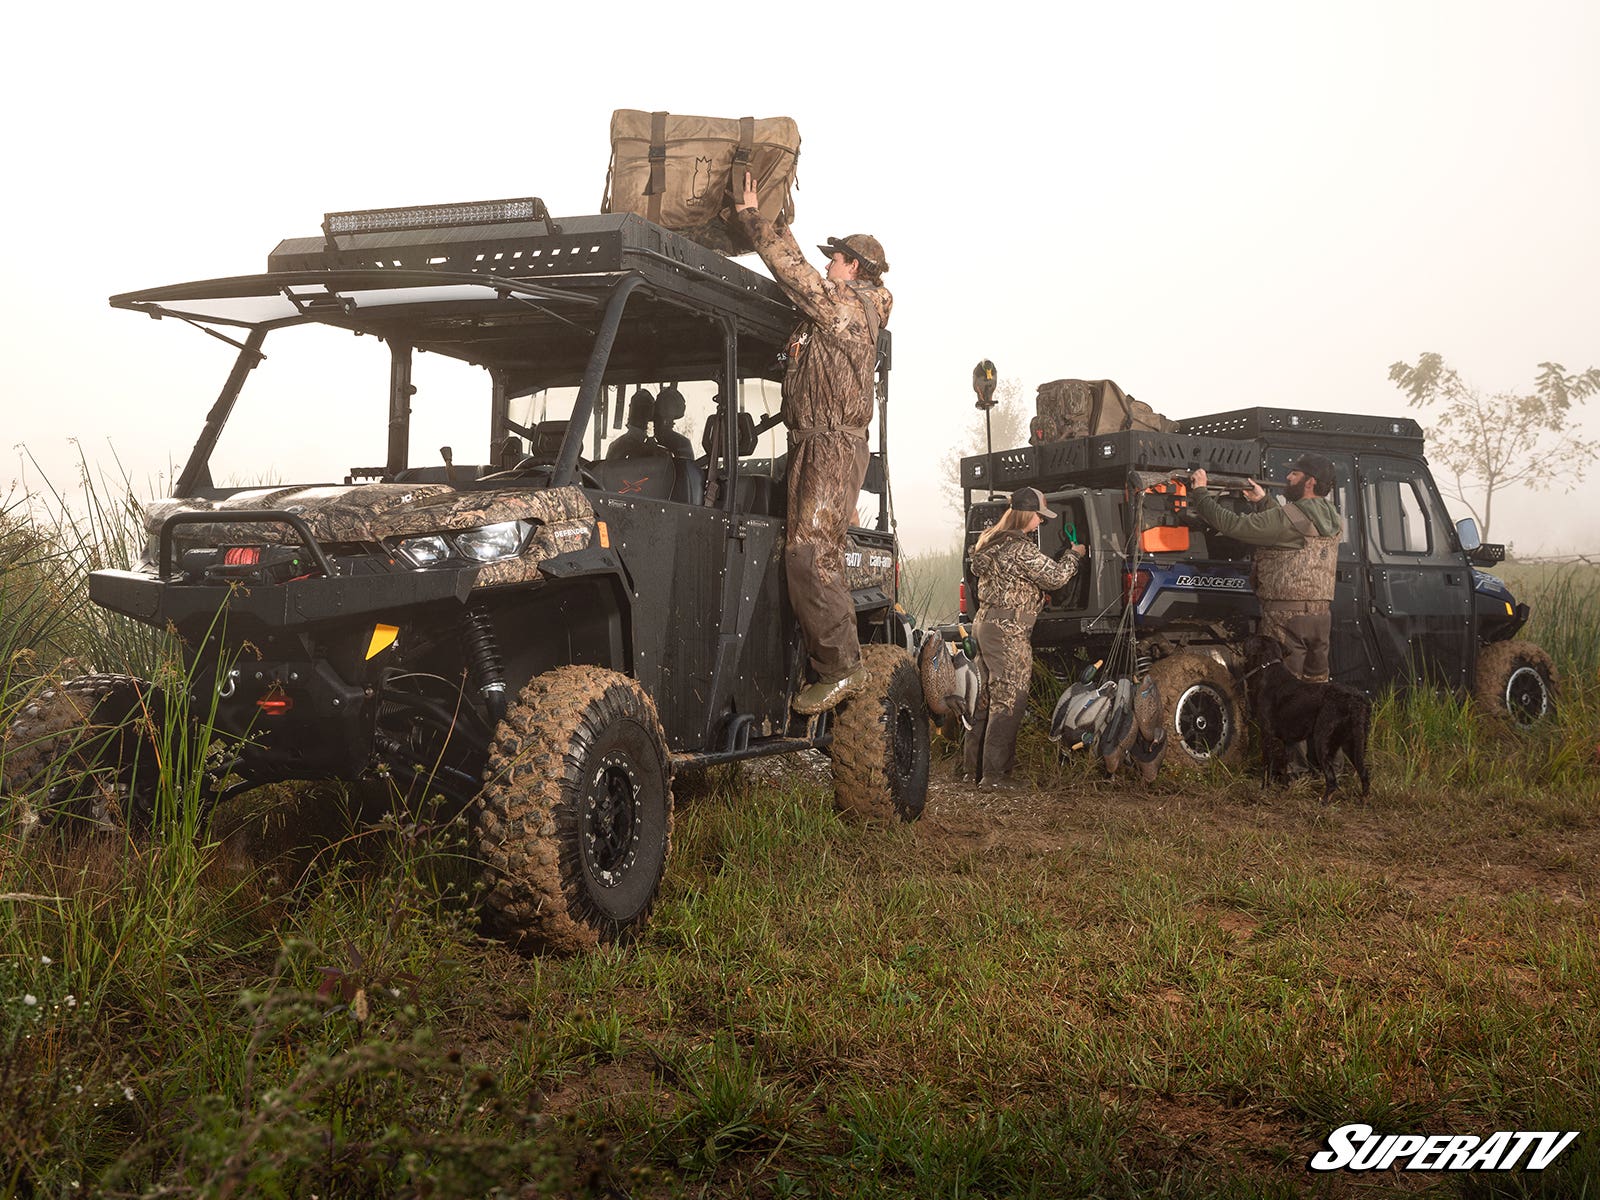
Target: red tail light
[(1133, 586), (242, 556), (275, 703)]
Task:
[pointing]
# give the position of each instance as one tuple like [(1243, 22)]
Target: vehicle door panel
[(1421, 586), (676, 557)]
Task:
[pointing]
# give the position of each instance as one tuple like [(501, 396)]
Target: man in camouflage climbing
[(1297, 556), (827, 405), (1013, 577)]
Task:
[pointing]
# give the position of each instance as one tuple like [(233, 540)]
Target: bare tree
[(1010, 417), (1490, 442)]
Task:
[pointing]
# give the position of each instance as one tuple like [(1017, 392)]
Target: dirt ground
[(1438, 864)]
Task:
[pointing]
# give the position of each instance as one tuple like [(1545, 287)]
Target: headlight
[(487, 544), (491, 542), (424, 551)]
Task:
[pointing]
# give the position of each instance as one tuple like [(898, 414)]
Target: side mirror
[(1467, 534)]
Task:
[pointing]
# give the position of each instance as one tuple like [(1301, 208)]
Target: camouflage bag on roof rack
[(682, 172), (1070, 408)]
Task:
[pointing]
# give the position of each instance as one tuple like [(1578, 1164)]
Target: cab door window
[(1406, 524)]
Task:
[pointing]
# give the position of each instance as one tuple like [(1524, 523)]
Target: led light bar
[(433, 216)]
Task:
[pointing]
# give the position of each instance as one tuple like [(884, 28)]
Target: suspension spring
[(483, 658), (1141, 664)]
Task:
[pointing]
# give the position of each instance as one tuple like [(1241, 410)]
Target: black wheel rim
[(1203, 721), (611, 820), (1527, 696), (905, 750)]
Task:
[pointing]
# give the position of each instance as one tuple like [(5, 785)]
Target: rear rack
[(1105, 460)]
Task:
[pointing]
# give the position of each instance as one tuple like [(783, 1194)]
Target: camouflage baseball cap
[(862, 246)]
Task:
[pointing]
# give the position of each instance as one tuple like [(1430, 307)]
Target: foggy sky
[(1215, 205)]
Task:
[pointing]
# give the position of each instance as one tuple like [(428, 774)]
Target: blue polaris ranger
[(1412, 601)]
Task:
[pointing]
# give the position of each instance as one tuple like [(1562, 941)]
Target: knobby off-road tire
[(880, 742), (575, 817), (1516, 680), (82, 754), (1201, 710)]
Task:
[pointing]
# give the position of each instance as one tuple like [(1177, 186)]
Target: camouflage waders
[(1005, 667), (826, 471), (1303, 628), (1013, 577), (827, 405)]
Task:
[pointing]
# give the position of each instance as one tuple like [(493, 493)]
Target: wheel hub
[(1527, 698), (611, 820), (1202, 720)]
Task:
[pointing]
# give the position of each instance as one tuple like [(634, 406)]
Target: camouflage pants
[(1302, 628), (826, 471), (1005, 666)]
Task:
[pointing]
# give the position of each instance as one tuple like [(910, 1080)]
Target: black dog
[(1328, 717)]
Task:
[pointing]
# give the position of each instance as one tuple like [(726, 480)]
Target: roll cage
[(591, 302)]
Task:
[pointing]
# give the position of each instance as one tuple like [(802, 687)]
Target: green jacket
[(1267, 526)]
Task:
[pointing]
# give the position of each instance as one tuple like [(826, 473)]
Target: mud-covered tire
[(1201, 710), (81, 754), (574, 822), (1516, 680), (881, 753)]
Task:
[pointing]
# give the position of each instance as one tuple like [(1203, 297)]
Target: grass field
[(1088, 989)]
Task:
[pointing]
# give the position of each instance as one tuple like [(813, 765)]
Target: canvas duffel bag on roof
[(1069, 408), (685, 172)]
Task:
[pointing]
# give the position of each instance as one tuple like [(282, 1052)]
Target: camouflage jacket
[(1270, 525), (1014, 573), (831, 352), (1289, 564)]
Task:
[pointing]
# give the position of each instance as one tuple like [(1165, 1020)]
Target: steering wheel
[(533, 464)]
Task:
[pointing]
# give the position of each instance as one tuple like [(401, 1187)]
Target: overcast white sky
[(1216, 205)]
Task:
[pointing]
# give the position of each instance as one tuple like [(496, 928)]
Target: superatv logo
[(1216, 583), (1359, 1148), (853, 558)]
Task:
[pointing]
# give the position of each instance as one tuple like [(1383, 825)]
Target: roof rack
[(1231, 443), (1302, 424), (531, 248)]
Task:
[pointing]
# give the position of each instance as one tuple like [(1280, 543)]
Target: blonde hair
[(1012, 520)]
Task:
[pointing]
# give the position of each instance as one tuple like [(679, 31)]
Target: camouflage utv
[(543, 636)]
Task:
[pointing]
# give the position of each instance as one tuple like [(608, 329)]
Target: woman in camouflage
[(1013, 577)]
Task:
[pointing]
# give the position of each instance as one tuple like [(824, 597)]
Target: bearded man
[(1297, 557)]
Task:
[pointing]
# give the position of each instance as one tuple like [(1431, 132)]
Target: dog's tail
[(1361, 720)]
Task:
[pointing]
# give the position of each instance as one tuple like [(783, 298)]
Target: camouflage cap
[(867, 249)]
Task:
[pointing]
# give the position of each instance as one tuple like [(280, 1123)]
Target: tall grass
[(1565, 617), (1099, 992), (929, 584), (49, 542)]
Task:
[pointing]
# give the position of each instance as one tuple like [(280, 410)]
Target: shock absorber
[(1141, 663), (483, 657)]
